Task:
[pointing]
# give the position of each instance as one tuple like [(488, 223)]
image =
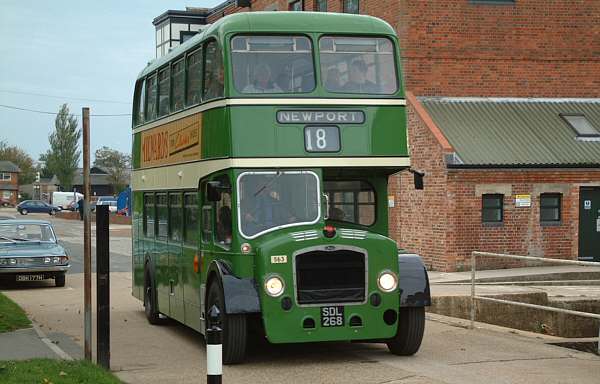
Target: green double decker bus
[(262, 148)]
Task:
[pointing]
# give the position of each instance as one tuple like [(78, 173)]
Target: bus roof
[(297, 22)]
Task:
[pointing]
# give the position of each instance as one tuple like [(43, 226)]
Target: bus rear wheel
[(235, 329), (411, 326)]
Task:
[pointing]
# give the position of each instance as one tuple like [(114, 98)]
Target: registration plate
[(332, 316), (30, 277)]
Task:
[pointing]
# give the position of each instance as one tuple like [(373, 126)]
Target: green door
[(589, 224)]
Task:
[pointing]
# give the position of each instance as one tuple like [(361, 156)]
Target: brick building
[(456, 49), (9, 183)]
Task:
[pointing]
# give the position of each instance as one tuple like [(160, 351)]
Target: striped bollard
[(214, 347)]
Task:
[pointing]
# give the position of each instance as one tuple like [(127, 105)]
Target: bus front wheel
[(150, 300), (411, 326), (235, 330)]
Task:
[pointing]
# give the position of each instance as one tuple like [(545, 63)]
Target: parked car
[(5, 203), (108, 200), (29, 251), (36, 206)]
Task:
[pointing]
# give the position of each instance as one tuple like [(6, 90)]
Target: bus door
[(190, 261), (205, 246), (174, 242), (161, 255)]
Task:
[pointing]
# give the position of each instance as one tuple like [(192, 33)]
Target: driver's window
[(223, 227)]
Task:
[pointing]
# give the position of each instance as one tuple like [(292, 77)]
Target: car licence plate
[(30, 277), (332, 316)]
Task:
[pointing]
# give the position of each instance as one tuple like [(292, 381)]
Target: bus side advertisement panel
[(175, 142)]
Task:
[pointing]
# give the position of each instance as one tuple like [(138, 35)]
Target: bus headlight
[(274, 286), (387, 281)]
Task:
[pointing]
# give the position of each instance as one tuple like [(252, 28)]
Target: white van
[(64, 200)]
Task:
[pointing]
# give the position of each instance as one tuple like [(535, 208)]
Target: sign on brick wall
[(522, 201)]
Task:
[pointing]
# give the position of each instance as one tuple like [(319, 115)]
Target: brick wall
[(533, 48), (521, 232), (419, 219)]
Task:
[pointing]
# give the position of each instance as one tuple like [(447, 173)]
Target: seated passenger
[(332, 80), (262, 81), (358, 82), (336, 214)]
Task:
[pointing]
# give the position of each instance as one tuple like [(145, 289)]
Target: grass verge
[(11, 315), (46, 371)]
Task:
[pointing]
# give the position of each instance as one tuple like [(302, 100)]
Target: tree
[(116, 164), (63, 156), (21, 159)]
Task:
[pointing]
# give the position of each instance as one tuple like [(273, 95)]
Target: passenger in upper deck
[(358, 81), (332, 81), (262, 81)]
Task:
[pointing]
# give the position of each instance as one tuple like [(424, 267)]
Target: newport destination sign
[(320, 117)]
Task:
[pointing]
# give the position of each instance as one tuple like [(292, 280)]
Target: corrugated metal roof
[(516, 132), (8, 166)]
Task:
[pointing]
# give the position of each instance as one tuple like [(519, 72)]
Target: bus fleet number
[(322, 139)]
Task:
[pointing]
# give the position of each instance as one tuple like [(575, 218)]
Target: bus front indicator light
[(387, 281), (329, 231), (246, 248), (274, 286), (196, 264)]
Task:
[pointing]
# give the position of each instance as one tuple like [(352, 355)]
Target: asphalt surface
[(173, 353)]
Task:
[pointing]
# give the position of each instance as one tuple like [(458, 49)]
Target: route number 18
[(322, 139)]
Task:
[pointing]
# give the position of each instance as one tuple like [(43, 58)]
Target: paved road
[(142, 353)]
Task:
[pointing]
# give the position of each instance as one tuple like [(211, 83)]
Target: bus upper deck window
[(213, 72), (151, 98), (194, 78), (139, 100), (178, 78), (163, 92), (272, 64), (363, 65)]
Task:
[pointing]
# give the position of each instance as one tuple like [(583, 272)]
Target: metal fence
[(474, 297)]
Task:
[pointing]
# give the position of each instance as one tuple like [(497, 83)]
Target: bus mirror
[(213, 192), (418, 180)]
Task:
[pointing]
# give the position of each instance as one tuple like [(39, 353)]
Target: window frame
[(157, 234), (397, 65), (355, 202), (565, 117), (199, 50), (3, 176), (313, 54), (547, 206), (179, 195), (165, 69), (500, 198), (319, 2), (174, 62), (344, 8), (140, 92), (185, 240), (220, 54), (215, 214), (145, 215), (148, 118)]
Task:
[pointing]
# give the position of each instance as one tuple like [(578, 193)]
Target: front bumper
[(32, 270)]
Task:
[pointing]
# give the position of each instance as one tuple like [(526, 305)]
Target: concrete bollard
[(214, 347)]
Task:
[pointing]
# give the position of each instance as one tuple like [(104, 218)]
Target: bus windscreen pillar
[(102, 287)]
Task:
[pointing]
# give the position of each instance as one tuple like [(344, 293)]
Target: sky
[(74, 50)]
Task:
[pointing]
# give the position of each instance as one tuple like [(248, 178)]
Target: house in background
[(99, 182), (40, 190), (9, 183)]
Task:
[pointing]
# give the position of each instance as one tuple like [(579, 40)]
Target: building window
[(492, 208), (296, 5), (350, 6), (581, 125), (550, 207), (5, 176), (321, 5)]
